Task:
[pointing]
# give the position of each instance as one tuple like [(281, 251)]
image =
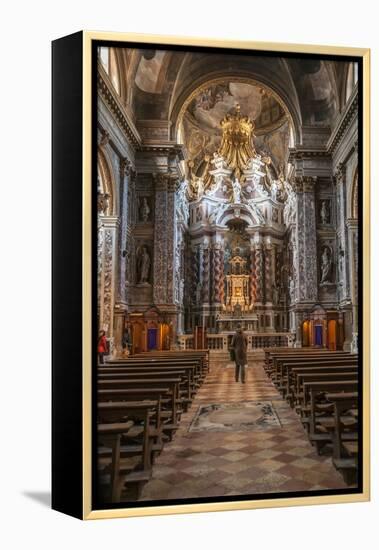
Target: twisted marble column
[(253, 284), (221, 281), (258, 272), (268, 272), (216, 274), (205, 266), (194, 268)]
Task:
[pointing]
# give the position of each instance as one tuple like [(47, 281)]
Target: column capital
[(340, 173), (125, 167), (166, 182), (304, 184)]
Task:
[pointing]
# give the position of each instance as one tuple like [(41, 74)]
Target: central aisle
[(276, 457)]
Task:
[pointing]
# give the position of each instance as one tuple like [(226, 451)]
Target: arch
[(114, 70), (354, 207), (106, 180), (178, 109), (351, 79), (243, 212)]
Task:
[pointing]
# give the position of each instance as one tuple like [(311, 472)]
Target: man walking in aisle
[(239, 345)]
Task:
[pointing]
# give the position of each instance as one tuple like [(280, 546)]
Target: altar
[(229, 323)]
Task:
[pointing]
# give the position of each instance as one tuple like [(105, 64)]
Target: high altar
[(234, 241)]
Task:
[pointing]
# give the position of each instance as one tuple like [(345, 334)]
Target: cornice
[(349, 112), (301, 153), (115, 106), (170, 148)]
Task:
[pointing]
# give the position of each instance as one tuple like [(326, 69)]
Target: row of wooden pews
[(140, 401), (322, 386)]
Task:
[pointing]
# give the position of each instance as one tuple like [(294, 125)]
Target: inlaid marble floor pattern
[(204, 464)]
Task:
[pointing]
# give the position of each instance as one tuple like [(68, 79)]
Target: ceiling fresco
[(201, 122)]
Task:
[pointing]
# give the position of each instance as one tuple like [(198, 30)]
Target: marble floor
[(276, 459)]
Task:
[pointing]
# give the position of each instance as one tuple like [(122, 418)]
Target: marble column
[(305, 255), (107, 253), (352, 226), (164, 240), (125, 170), (343, 272)]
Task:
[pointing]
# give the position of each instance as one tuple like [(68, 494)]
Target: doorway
[(318, 335), (332, 335)]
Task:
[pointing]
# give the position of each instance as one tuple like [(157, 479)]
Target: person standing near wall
[(239, 345), (102, 346)]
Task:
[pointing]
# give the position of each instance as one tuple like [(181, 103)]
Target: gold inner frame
[(88, 512)]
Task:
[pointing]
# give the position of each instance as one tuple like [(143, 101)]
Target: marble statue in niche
[(236, 191), (341, 258), (326, 265), (275, 294), (274, 190), (102, 199), (144, 210), (102, 203), (292, 289), (143, 265), (325, 212), (274, 215)]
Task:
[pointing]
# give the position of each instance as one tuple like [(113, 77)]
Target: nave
[(177, 425), (270, 460)]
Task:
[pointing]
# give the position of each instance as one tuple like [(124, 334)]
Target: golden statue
[(237, 141)]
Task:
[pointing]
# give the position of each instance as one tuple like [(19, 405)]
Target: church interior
[(227, 203)]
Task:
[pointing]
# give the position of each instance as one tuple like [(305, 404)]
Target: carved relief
[(107, 278)]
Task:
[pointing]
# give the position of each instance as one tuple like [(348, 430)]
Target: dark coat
[(239, 344)]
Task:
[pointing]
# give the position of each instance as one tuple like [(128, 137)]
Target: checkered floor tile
[(204, 464)]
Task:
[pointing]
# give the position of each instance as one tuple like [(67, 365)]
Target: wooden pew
[(299, 375), (189, 370), (345, 434), (270, 352), (186, 390), (172, 383), (314, 392), (278, 361), (170, 405), (110, 435), (162, 362), (202, 357), (287, 384), (290, 352)]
